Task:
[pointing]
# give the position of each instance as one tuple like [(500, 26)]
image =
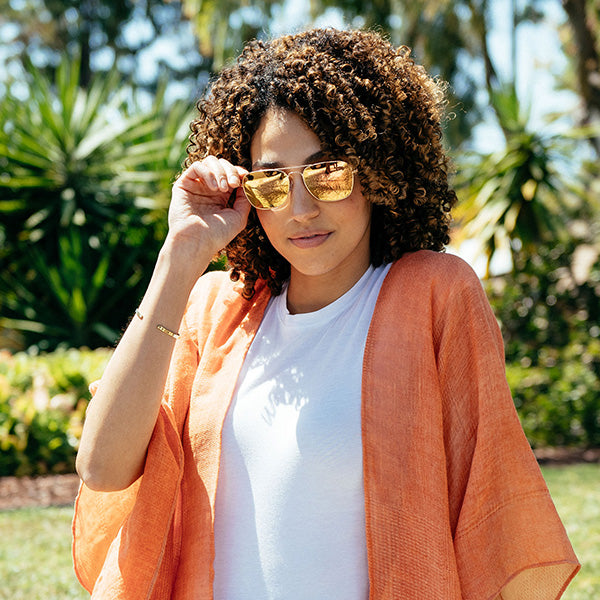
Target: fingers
[(217, 174), (241, 205)]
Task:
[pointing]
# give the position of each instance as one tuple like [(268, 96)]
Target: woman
[(331, 418)]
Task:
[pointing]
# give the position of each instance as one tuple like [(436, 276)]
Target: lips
[(310, 239)]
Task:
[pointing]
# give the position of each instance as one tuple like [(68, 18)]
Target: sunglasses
[(328, 181)]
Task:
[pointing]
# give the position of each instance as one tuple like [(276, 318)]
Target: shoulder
[(428, 287), (439, 297), (213, 286), (437, 272), (215, 294)]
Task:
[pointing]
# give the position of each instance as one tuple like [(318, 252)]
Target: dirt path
[(27, 492), (60, 490)]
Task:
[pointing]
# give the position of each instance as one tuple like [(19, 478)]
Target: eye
[(319, 167), (279, 174), (332, 167)]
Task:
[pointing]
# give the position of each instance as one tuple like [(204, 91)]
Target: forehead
[(282, 139)]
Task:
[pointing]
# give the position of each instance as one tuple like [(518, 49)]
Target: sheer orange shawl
[(456, 507)]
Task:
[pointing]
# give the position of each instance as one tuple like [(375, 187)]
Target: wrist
[(168, 292), (181, 265)]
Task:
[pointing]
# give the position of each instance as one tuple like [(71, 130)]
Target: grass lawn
[(35, 554), (576, 493)]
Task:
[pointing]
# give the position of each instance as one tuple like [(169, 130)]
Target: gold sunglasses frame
[(299, 169)]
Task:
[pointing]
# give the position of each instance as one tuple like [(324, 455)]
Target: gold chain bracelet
[(161, 328)]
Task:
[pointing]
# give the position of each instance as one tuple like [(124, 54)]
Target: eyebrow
[(259, 165)]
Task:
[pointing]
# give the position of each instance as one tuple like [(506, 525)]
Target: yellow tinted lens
[(266, 189), (329, 181)]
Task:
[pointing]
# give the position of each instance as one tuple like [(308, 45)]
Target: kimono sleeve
[(119, 537), (508, 538)]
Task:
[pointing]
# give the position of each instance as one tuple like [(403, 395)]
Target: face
[(326, 243)]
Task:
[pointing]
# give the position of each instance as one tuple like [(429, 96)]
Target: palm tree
[(85, 185), (524, 194)]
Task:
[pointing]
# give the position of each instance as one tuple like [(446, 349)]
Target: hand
[(202, 220)]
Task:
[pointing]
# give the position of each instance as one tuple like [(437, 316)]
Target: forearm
[(121, 416)]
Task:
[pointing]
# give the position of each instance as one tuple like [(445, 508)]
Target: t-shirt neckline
[(325, 314)]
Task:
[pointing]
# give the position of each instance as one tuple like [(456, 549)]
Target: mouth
[(310, 240)]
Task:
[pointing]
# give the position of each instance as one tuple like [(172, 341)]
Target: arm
[(123, 412)]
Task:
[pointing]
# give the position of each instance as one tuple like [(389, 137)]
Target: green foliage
[(42, 406), (523, 194), (223, 26), (44, 29), (551, 324), (559, 405), (83, 195)]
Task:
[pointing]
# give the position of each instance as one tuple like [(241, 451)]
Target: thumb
[(241, 205)]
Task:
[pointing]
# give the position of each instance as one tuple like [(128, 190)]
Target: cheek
[(368, 208), (362, 210), (270, 224), (263, 219), (359, 199)]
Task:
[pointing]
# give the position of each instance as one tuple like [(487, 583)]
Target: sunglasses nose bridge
[(302, 202), (300, 174)]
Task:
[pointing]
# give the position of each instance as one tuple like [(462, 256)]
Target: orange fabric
[(456, 507)]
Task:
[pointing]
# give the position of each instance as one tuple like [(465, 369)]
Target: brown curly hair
[(368, 103)]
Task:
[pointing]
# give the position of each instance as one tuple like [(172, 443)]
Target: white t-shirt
[(289, 514)]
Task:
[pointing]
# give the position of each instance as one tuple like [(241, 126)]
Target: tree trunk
[(492, 83), (85, 71), (588, 62), (86, 18)]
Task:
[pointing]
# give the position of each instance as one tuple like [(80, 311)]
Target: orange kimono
[(456, 507)]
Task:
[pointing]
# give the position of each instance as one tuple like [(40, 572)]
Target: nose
[(303, 205)]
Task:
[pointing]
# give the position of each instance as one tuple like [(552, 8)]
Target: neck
[(308, 293)]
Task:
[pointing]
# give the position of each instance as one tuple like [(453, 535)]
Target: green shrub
[(551, 326), (86, 179), (559, 405), (42, 406)]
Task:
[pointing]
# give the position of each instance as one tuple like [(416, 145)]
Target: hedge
[(42, 405), (43, 400)]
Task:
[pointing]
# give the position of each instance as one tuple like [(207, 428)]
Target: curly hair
[(369, 104)]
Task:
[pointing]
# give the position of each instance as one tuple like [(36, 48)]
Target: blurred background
[(95, 101)]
